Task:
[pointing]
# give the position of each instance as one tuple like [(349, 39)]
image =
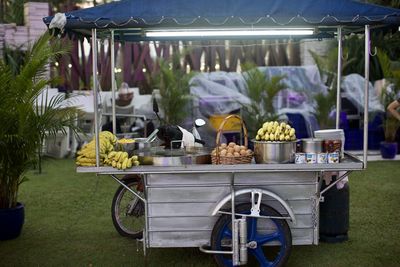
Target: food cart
[(231, 211)]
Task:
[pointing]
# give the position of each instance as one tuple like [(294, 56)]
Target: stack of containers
[(326, 147), (312, 151), (332, 136)]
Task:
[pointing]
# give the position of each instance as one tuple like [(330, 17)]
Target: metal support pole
[(146, 234), (339, 76), (235, 225), (95, 93), (114, 122), (243, 241), (235, 242), (366, 93)]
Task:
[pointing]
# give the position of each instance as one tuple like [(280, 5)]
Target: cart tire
[(127, 210), (276, 255)]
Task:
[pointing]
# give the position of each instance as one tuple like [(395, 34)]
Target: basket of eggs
[(231, 153)]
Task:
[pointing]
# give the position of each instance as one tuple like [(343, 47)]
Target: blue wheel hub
[(256, 242)]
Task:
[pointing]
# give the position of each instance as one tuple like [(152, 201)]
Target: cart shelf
[(349, 163)]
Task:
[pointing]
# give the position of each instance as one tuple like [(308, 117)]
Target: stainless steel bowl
[(141, 144), (134, 147), (274, 152), (312, 145), (159, 156)]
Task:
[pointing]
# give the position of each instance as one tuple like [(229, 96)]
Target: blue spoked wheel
[(269, 240)]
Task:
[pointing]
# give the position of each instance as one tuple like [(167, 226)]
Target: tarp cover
[(223, 92), (229, 13), (353, 86)]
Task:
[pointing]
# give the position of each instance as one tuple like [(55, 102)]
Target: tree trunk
[(2, 10)]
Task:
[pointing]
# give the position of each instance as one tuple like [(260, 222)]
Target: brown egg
[(232, 144), (229, 154), (243, 152), (236, 148), (243, 147), (223, 152), (236, 154), (249, 152), (231, 150), (223, 145)]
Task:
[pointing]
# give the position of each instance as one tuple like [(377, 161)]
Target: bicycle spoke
[(251, 228), (262, 239), (227, 233), (259, 254)]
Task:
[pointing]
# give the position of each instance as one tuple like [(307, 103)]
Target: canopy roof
[(161, 14)]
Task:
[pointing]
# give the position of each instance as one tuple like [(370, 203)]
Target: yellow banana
[(124, 164), (87, 164), (86, 160), (129, 163), (123, 157), (118, 155), (112, 154), (110, 147)]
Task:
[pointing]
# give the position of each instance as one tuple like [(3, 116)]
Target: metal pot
[(134, 147), (174, 157), (274, 152), (181, 160), (141, 144), (312, 145)]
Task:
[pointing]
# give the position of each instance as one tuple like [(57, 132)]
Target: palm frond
[(261, 91), (25, 121), (174, 85)]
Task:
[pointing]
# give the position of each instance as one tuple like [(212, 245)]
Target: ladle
[(151, 137)]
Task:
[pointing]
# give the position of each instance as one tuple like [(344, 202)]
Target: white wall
[(21, 36)]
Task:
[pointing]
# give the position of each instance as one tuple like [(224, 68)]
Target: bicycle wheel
[(127, 210), (269, 240)]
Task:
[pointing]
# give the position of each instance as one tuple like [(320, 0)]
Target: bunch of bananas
[(120, 160), (87, 154), (275, 131)]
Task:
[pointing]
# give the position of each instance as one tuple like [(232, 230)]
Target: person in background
[(124, 99), (393, 109), (124, 95)]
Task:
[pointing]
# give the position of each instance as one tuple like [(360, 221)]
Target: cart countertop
[(349, 163)]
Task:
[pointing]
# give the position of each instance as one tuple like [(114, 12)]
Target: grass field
[(68, 223)]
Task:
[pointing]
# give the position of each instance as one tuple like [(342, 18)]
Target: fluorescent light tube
[(227, 32)]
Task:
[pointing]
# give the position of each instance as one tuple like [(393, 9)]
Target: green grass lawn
[(68, 223)]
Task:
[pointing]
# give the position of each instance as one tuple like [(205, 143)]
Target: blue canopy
[(146, 14)]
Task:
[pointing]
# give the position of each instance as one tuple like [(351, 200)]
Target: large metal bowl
[(274, 152), (158, 156)]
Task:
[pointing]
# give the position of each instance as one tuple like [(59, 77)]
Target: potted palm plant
[(391, 72), (174, 86), (261, 91), (325, 103), (388, 148), (24, 125)]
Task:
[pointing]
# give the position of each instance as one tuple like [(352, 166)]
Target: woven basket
[(217, 159)]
